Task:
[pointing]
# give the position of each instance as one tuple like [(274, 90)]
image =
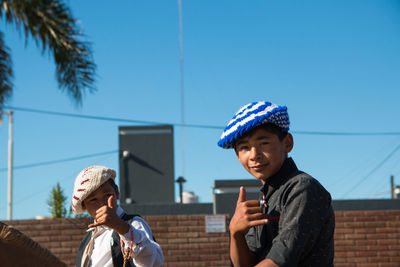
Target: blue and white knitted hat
[(251, 116)]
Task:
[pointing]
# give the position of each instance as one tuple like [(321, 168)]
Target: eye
[(243, 148), (93, 200)]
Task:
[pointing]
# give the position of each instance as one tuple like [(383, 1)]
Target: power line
[(373, 170), (60, 160), (110, 118), (345, 133), (192, 125)]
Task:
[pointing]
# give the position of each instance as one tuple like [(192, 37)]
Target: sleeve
[(145, 251), (305, 207)]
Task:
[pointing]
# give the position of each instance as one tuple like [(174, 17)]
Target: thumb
[(112, 202), (242, 195)]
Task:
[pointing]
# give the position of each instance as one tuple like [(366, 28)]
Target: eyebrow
[(263, 137), (239, 142)]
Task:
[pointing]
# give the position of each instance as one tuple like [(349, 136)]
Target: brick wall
[(367, 238), (362, 238), (182, 238)]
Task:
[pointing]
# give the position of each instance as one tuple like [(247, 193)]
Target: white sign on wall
[(215, 224)]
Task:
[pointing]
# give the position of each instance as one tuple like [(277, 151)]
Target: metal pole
[(180, 181), (180, 193), (10, 163), (392, 186), (182, 86)]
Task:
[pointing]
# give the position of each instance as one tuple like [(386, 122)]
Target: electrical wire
[(360, 165), (109, 118), (373, 170), (67, 177), (191, 125), (59, 161)]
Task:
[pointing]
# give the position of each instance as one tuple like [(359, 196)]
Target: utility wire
[(60, 160), (373, 170), (191, 125), (345, 133), (109, 118)]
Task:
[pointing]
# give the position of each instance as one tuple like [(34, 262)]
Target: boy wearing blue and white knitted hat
[(293, 222)]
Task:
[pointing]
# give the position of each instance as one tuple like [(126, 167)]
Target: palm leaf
[(51, 25), (6, 73)]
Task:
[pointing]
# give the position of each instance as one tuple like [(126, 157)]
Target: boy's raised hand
[(248, 213), (107, 215)]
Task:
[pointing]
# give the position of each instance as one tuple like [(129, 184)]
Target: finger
[(100, 211), (252, 203), (253, 210), (258, 222), (95, 224), (242, 195), (256, 217), (112, 202)]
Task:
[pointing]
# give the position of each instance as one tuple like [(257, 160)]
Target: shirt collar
[(284, 173), (120, 211)]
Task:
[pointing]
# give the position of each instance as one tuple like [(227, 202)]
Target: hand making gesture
[(248, 213), (107, 215)]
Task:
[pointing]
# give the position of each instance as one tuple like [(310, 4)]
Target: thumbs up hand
[(107, 215), (248, 213)]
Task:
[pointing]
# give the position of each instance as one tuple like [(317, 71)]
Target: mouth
[(258, 167)]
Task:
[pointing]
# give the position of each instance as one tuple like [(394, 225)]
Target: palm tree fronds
[(50, 24), (6, 73)]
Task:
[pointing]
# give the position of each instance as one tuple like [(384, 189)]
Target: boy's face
[(99, 198), (262, 153)]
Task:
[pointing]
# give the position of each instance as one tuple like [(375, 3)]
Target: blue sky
[(334, 64)]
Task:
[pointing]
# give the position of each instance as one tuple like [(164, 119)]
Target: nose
[(103, 202), (254, 153)]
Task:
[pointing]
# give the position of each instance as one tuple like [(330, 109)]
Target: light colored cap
[(87, 181)]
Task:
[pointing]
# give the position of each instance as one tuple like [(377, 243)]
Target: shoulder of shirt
[(139, 219), (305, 181)]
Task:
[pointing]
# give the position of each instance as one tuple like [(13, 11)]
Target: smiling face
[(99, 197), (262, 153)]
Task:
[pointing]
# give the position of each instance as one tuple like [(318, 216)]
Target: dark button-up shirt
[(301, 226)]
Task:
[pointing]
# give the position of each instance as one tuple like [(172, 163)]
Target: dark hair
[(269, 127), (113, 184), (274, 129)]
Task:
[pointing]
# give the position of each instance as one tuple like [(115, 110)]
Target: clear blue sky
[(335, 64)]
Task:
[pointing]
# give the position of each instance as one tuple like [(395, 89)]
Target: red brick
[(366, 253), (387, 230), (344, 242), (389, 265), (344, 231), (380, 259), (367, 242), (375, 224), (362, 238), (391, 253), (354, 224), (355, 236), (388, 242), (365, 230)]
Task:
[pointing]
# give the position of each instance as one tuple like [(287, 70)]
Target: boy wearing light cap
[(114, 238), (293, 222)]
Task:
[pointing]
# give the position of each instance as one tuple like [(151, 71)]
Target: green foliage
[(50, 24), (56, 202)]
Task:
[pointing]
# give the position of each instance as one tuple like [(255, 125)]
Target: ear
[(116, 191), (288, 143)]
